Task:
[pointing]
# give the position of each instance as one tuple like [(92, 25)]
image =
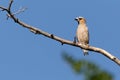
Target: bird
[(82, 33)]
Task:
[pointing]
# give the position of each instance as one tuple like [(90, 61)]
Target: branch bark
[(52, 36)]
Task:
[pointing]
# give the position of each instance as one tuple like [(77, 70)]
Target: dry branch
[(52, 36)]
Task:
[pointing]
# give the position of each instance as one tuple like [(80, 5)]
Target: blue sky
[(25, 56)]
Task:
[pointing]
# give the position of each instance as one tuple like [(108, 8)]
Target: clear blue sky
[(25, 56)]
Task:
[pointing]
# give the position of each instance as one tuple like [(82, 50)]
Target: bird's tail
[(85, 52)]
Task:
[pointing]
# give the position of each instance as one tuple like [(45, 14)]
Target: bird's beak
[(76, 19)]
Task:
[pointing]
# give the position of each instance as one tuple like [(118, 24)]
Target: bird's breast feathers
[(82, 34)]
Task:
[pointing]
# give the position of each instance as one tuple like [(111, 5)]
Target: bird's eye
[(80, 18)]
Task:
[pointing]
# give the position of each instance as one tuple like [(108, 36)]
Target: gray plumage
[(82, 33)]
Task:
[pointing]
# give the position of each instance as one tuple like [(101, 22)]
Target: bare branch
[(61, 40)]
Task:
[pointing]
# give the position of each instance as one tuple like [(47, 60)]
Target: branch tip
[(10, 4), (20, 10), (3, 8)]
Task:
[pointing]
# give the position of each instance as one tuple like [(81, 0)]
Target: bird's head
[(80, 20)]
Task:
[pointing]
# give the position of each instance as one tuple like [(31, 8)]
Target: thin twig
[(19, 11), (3, 8), (10, 4)]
